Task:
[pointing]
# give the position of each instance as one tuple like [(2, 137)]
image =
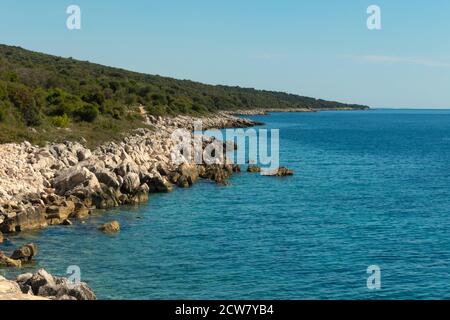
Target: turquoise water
[(371, 187)]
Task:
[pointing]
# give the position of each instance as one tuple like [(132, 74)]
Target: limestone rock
[(131, 183), (159, 183), (75, 177), (45, 285), (66, 222), (8, 262), (253, 169), (188, 175), (280, 172), (110, 227), (25, 253), (107, 177)]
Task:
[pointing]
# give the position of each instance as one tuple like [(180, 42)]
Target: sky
[(318, 48)]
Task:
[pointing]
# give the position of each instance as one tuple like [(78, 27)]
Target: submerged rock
[(110, 227), (281, 172)]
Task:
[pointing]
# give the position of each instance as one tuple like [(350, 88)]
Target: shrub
[(3, 92), (23, 100), (61, 102), (157, 110), (95, 96), (60, 121), (199, 109), (158, 99), (2, 111), (88, 113), (112, 108)]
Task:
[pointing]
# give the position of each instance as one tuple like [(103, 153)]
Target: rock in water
[(282, 172), (66, 222), (253, 169), (188, 175), (110, 227), (8, 262), (131, 182), (25, 253), (159, 183), (1, 237)]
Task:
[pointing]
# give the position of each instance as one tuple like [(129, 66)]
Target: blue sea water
[(371, 188)]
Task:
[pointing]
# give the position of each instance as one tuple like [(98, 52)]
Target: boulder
[(236, 168), (280, 172), (174, 176), (22, 278), (24, 218), (8, 262), (81, 211), (44, 284), (253, 169), (39, 279), (218, 173), (183, 182), (25, 253), (10, 290), (188, 175), (83, 154), (126, 167), (75, 178), (66, 222), (57, 214), (110, 227), (140, 196), (1, 237), (159, 183), (107, 177), (131, 183)]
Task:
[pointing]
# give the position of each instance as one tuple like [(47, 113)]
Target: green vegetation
[(44, 94)]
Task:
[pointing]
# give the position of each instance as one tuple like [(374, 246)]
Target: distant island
[(48, 98)]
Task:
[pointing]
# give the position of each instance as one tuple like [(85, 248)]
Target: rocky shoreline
[(264, 112), (42, 186), (58, 183), (43, 286)]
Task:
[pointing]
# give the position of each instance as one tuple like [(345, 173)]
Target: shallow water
[(371, 187)]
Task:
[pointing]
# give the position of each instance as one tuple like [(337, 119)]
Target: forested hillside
[(46, 92)]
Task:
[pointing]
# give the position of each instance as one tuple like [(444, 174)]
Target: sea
[(366, 216)]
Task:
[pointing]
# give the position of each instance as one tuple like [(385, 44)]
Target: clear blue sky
[(319, 48)]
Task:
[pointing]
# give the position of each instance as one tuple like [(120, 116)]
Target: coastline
[(266, 111), (44, 186), (48, 185)]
